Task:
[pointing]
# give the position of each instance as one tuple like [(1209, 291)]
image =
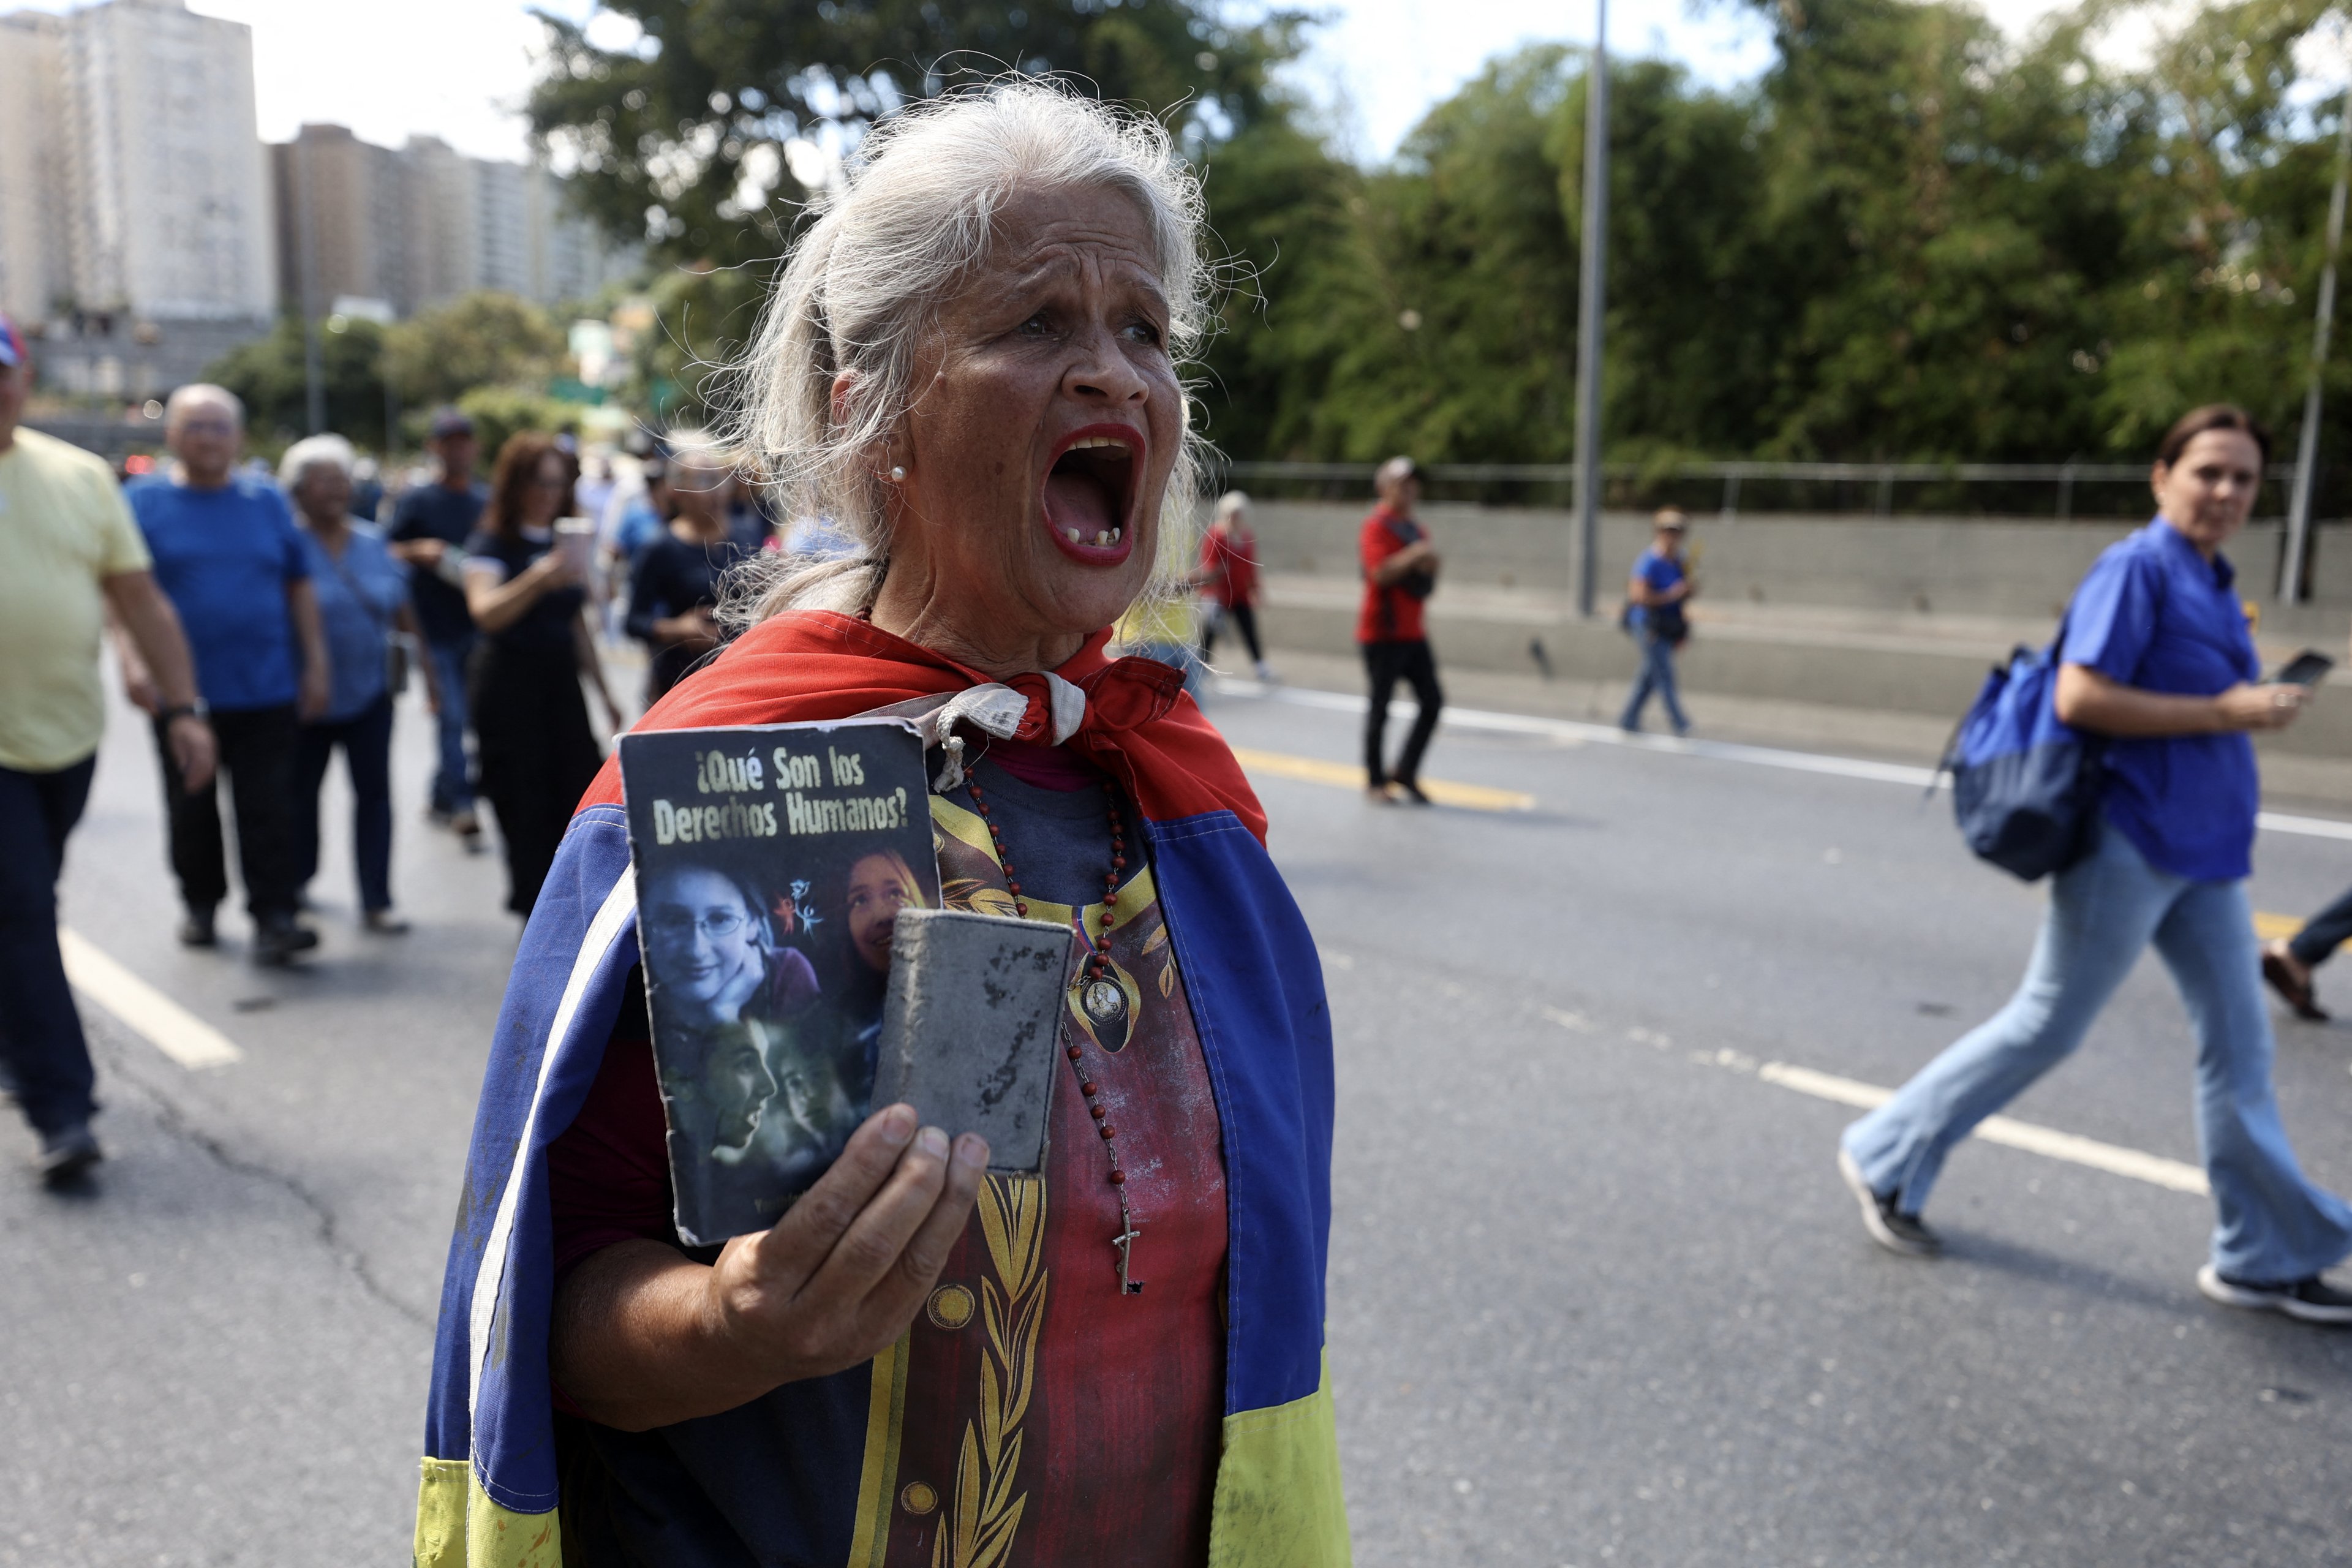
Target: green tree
[(269, 375), (678, 371), (688, 139), (483, 338)]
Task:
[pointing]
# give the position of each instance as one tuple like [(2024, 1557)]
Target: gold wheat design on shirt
[(986, 1510)]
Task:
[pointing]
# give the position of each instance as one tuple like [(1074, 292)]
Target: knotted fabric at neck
[(1130, 716)]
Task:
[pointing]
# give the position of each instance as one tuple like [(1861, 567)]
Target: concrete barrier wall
[(2020, 572), (1920, 565)]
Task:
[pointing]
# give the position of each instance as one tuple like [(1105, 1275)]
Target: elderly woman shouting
[(972, 362)]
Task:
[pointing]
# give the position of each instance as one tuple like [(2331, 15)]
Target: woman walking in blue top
[(2157, 658), (1654, 597)]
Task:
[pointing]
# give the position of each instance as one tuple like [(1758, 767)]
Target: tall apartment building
[(342, 218), (426, 223), (36, 265), (136, 234)]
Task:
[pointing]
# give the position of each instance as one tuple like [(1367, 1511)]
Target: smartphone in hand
[(2308, 667)]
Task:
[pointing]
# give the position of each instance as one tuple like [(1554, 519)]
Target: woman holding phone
[(2156, 657), (529, 598)]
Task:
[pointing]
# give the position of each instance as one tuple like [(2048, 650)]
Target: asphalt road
[(1597, 1295)]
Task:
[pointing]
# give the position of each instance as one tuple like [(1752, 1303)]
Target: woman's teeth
[(1104, 537)]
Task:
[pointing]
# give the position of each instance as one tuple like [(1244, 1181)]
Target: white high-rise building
[(173, 218), (150, 247), (36, 263)]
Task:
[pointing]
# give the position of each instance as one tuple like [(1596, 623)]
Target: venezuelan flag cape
[(489, 1490)]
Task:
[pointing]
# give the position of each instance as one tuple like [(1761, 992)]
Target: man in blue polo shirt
[(227, 556)]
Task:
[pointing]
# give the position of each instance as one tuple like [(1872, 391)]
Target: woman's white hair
[(314, 452), (914, 215)]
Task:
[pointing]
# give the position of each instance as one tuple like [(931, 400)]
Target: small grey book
[(969, 1025)]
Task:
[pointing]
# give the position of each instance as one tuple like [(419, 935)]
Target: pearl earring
[(897, 475)]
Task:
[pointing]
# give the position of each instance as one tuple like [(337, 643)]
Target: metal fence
[(2055, 490)]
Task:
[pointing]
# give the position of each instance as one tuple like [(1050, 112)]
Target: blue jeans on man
[(1657, 676), (453, 775), (41, 1044), (2273, 1225)]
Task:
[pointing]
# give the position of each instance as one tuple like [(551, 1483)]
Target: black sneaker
[(2311, 1300), (278, 937), (196, 929), (1410, 789), (1888, 1226), (66, 1154)]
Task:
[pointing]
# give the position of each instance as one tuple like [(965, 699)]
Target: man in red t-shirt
[(1400, 571)]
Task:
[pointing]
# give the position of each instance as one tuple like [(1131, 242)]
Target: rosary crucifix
[(1125, 1240)]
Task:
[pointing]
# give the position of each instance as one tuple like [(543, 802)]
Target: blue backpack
[(2025, 787)]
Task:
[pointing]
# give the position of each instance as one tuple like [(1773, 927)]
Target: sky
[(459, 68)]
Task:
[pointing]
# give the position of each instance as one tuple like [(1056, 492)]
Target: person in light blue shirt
[(1654, 598), (2155, 656), (363, 592), (229, 559)]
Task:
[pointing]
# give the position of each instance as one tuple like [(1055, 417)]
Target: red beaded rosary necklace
[(1104, 1001)]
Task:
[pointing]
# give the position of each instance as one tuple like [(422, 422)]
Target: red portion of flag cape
[(805, 666)]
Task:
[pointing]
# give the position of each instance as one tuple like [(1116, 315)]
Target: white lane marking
[(1575, 732), (2113, 1159), (2309, 826), (153, 1017)]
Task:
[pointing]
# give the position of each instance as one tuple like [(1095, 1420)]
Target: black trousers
[(537, 752), (1388, 663), (41, 1043), (2325, 932), (1243, 615), (257, 756)]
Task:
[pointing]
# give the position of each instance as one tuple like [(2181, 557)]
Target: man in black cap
[(429, 529)]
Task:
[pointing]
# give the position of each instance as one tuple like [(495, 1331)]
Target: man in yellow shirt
[(73, 556)]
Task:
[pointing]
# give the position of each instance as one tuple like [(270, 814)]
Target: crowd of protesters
[(265, 622)]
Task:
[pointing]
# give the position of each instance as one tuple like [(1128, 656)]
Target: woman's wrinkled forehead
[(1040, 234)]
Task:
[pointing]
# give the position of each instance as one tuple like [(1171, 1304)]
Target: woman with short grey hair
[(973, 363), (363, 594)]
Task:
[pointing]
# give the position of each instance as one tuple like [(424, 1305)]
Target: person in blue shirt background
[(429, 529), (2156, 657), (1655, 596), (229, 559), (362, 591)]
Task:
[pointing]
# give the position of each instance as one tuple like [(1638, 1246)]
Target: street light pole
[(2307, 458), (1592, 293), (314, 379)]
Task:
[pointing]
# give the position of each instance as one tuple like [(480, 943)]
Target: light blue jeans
[(1657, 675), (2273, 1225), (453, 779)]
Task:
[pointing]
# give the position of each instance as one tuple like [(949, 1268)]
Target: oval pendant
[(1105, 1002), (1104, 1010)]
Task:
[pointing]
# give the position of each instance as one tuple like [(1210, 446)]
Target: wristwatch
[(185, 711)]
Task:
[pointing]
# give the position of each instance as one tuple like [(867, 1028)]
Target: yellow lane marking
[(162, 1022), (2271, 927), (2111, 1158), (1341, 775)]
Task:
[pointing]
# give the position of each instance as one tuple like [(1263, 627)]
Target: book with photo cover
[(771, 862)]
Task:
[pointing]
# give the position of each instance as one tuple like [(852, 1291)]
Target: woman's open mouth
[(1089, 493)]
